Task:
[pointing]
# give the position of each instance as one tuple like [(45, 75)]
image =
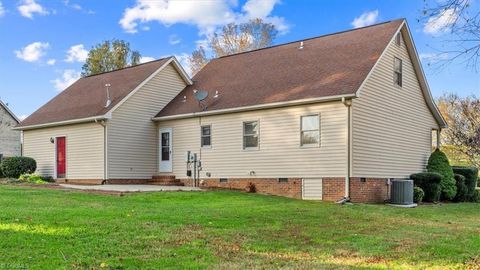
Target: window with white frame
[(206, 136), (251, 131), (310, 130), (397, 71)]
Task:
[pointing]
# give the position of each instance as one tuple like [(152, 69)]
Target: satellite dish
[(200, 95)]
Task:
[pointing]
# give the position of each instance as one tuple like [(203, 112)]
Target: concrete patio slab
[(130, 188)]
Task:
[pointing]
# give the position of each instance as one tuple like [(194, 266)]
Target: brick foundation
[(369, 190), (333, 188), (292, 188)]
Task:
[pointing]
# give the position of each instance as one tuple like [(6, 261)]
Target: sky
[(44, 43)]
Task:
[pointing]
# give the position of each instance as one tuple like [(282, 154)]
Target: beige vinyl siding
[(391, 124), (132, 135), (279, 153), (84, 147), (312, 188)]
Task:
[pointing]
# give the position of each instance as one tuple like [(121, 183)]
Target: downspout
[(439, 139), (104, 125), (348, 104)]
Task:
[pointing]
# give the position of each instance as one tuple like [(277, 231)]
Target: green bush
[(13, 167), (471, 178), (418, 194), (430, 183), (438, 162), (31, 178), (476, 196), (48, 179), (462, 190)]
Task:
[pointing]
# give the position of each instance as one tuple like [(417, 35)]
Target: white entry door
[(165, 148)]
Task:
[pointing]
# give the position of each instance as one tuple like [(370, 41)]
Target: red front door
[(61, 157)]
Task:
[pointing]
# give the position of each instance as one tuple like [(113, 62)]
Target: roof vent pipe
[(301, 45), (107, 85)]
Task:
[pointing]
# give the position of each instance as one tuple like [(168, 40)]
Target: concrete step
[(165, 180), (162, 177)]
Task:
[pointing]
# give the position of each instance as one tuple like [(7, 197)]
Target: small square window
[(397, 71), (310, 130), (206, 136), (250, 134), (223, 180)]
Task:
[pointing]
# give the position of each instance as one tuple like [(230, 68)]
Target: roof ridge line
[(141, 64), (300, 40)]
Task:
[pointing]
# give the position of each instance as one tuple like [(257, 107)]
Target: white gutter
[(67, 122), (256, 107)]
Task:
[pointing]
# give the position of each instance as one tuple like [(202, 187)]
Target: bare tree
[(463, 118), (462, 23), (235, 38), (198, 60)]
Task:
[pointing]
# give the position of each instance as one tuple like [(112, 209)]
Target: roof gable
[(3, 105), (417, 66), (331, 65), (86, 98), (412, 51)]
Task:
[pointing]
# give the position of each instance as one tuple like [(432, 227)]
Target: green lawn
[(53, 229)]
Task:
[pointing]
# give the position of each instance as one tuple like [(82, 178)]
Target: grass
[(53, 229)]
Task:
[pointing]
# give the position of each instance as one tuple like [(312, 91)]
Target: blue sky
[(44, 42)]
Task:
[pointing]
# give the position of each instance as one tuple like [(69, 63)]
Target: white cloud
[(2, 10), (32, 52), (206, 15), (69, 76), (30, 7), (76, 53), (262, 9), (433, 57), (51, 62), (145, 59), (367, 18), (440, 23), (22, 117), (174, 39), (77, 7)]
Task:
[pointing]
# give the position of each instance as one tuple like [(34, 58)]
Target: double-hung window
[(206, 136), (310, 130), (397, 71), (251, 132)]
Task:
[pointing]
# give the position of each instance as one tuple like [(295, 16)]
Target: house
[(324, 118), (10, 140)]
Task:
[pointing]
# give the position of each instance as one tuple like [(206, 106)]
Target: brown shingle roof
[(87, 96), (330, 65)]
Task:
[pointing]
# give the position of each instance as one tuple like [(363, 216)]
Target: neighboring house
[(10, 139), (335, 116)]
